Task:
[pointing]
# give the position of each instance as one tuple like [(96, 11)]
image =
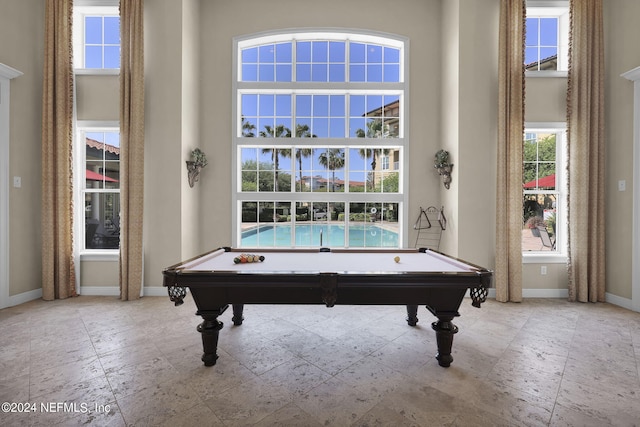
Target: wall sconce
[(443, 166), (194, 166)]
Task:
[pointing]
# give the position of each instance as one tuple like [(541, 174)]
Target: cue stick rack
[(430, 224)]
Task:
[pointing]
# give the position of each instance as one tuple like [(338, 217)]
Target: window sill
[(96, 71), (100, 255), (547, 73), (546, 258)]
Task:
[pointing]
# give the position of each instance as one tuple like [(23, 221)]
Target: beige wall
[(622, 54), (452, 105), (22, 35), (97, 97)]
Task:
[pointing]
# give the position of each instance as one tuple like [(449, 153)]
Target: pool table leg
[(444, 336), (412, 315), (237, 314), (210, 328)]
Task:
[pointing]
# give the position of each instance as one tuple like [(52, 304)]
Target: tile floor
[(100, 361)]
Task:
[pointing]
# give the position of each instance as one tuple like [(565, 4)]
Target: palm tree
[(375, 129), (248, 128), (332, 159), (280, 131), (302, 131)]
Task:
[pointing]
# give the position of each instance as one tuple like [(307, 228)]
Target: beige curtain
[(508, 271), (58, 271), (132, 147), (585, 124)]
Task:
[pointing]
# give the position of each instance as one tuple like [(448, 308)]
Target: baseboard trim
[(149, 291), (619, 301), (538, 293), (24, 297), (106, 291)]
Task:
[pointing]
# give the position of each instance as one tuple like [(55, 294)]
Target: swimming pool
[(332, 235)]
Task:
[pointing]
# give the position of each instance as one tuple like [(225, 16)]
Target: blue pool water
[(333, 235)]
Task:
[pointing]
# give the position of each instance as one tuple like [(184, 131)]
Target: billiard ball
[(397, 259)]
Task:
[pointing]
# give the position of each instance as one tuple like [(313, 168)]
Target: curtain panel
[(132, 147), (586, 152), (58, 270), (508, 270)]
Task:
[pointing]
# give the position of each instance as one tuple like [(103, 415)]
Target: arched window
[(317, 117)]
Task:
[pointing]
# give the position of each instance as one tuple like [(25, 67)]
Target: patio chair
[(547, 240)]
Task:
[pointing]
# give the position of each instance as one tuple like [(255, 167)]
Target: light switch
[(622, 185), (17, 181)]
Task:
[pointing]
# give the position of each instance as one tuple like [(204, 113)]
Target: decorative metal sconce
[(194, 166), (444, 167)]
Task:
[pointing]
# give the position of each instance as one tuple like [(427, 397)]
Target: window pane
[(250, 55), (283, 53), (303, 128), (357, 53), (283, 105), (532, 32), (373, 225), (303, 51), (531, 58), (319, 52), (539, 231), (336, 52), (93, 30), (112, 57), (332, 161), (391, 55), (336, 128), (283, 73), (303, 105), (266, 105), (266, 73), (337, 73), (548, 31), (112, 30), (374, 73), (357, 73), (248, 126), (102, 160), (265, 224), (391, 73), (319, 72), (303, 72), (266, 54), (337, 106), (374, 54), (250, 73), (102, 220), (320, 105), (249, 105), (93, 57)]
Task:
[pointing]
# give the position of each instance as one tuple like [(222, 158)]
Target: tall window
[(544, 190), (99, 187), (318, 116), (547, 36), (96, 36)]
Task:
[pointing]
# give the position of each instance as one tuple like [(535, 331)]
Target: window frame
[(82, 9), (560, 10), (239, 87), (82, 128), (560, 254)]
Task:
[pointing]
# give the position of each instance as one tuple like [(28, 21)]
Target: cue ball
[(397, 259)]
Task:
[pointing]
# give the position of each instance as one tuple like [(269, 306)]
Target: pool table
[(410, 277)]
